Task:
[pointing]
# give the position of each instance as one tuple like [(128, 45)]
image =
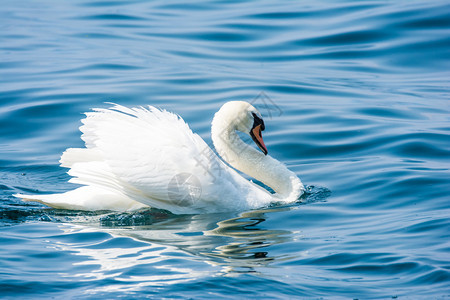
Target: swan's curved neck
[(252, 162)]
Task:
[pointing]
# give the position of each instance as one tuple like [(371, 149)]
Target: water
[(355, 96)]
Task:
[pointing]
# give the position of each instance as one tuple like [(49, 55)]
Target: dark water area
[(355, 96)]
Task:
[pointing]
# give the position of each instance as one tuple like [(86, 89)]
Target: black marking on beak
[(255, 133)]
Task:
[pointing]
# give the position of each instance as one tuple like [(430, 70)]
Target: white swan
[(141, 157)]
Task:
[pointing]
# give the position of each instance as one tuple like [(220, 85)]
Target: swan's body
[(139, 157)]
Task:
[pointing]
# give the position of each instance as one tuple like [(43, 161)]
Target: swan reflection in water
[(155, 248), (248, 241), (237, 242)]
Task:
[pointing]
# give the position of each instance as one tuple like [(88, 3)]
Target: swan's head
[(242, 116)]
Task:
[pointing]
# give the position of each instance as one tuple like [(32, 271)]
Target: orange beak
[(257, 138)]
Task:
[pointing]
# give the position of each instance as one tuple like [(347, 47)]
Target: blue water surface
[(355, 97)]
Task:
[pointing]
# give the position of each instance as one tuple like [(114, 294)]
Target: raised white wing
[(151, 156)]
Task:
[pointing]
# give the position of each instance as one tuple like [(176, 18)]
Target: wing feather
[(138, 151)]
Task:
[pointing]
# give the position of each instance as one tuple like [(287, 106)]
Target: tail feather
[(85, 198)]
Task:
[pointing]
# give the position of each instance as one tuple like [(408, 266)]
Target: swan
[(148, 157)]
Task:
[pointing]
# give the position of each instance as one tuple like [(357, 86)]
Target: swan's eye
[(258, 121)]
